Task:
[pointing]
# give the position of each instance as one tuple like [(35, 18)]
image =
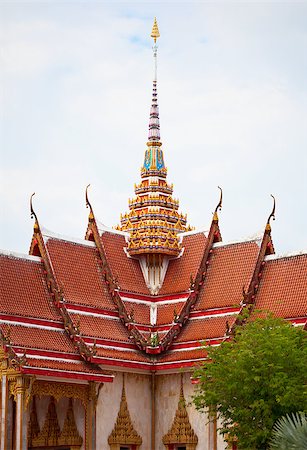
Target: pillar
[(21, 415), (4, 413)]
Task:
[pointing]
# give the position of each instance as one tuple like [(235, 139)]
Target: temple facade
[(99, 336)]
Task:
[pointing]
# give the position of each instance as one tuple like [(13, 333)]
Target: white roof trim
[(104, 228), (190, 233), (257, 240), (20, 255), (285, 255), (158, 303), (50, 234)]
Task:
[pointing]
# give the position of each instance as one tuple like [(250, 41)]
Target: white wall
[(138, 396), (138, 393)]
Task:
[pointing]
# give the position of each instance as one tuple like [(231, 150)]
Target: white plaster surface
[(167, 397), (138, 396)]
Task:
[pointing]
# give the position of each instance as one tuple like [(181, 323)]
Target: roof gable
[(180, 270), (78, 273), (230, 268), (283, 286)]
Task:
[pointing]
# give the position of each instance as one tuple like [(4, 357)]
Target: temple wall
[(167, 397), (138, 396)]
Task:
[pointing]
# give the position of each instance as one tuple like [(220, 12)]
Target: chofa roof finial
[(218, 206), (88, 204), (33, 214), (271, 216)]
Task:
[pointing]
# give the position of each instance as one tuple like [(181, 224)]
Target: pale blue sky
[(75, 94)]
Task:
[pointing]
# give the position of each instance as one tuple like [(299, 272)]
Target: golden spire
[(155, 30)]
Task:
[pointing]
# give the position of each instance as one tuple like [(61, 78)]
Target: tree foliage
[(255, 378)]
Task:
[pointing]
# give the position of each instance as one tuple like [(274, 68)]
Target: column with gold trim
[(21, 415), (4, 412)]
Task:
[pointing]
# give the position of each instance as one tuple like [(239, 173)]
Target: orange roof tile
[(183, 355), (126, 270), (23, 289), (283, 287), (141, 312), (77, 271), (101, 327), (178, 275), (133, 355), (78, 366), (230, 268), (37, 338), (166, 312), (207, 328)]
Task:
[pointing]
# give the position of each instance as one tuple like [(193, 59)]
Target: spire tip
[(155, 30)]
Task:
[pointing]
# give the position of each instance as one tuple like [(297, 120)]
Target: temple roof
[(144, 297), (128, 327)]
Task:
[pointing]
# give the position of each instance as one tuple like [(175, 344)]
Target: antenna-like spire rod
[(154, 125), (155, 35)]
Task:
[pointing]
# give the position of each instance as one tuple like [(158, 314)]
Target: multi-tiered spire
[(153, 220)]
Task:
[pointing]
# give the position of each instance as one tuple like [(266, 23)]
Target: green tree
[(255, 378)]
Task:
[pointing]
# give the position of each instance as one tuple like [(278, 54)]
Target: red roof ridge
[(111, 282), (285, 255), (47, 234), (249, 296), (16, 255), (214, 235)]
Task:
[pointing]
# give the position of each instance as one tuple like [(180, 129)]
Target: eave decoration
[(181, 431), (124, 432)]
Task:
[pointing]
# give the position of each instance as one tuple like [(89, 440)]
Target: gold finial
[(271, 216), (219, 205), (88, 204), (155, 30), (33, 214)]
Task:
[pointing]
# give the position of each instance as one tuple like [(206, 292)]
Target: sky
[(76, 80)]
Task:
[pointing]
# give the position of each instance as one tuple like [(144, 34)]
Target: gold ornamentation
[(88, 205), (60, 390), (271, 216), (70, 434), (33, 214), (155, 30), (181, 431), (219, 206), (50, 432), (33, 426), (123, 432)]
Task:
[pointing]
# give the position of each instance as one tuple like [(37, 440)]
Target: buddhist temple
[(100, 335)]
